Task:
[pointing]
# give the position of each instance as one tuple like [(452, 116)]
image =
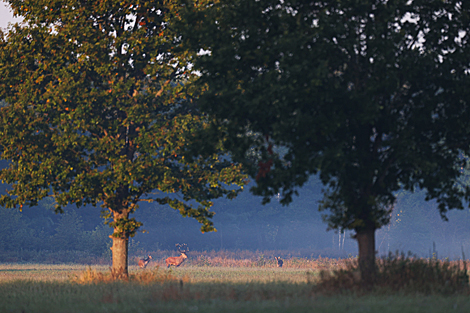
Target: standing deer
[(143, 262), (177, 261), (279, 261)]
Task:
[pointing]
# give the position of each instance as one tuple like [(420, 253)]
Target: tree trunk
[(367, 266), (120, 251)]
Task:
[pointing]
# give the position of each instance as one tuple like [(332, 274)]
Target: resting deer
[(279, 261), (177, 261), (143, 262)]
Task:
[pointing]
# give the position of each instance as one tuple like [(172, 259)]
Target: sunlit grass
[(64, 272), (42, 272), (244, 275), (194, 288)]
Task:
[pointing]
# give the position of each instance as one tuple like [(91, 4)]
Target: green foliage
[(369, 93), (372, 95), (101, 111), (125, 226)]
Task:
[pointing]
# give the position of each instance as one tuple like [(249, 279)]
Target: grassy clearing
[(192, 288), (43, 272), (37, 296), (64, 272), (243, 275), (244, 259)]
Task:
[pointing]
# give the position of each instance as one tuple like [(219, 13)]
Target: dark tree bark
[(366, 241)]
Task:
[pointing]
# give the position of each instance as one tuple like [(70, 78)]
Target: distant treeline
[(79, 235)]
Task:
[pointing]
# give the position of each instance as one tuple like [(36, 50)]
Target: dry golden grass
[(241, 286), (157, 275), (299, 263), (246, 259), (330, 275)]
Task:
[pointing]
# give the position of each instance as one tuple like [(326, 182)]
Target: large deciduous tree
[(99, 111), (372, 95)]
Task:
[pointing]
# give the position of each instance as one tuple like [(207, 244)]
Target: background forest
[(79, 235)]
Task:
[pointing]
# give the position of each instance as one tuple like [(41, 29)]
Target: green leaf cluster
[(101, 110), (371, 95)]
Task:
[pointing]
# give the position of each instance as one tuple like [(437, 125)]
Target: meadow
[(220, 285)]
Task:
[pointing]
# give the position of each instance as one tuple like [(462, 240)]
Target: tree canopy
[(372, 95), (100, 111)]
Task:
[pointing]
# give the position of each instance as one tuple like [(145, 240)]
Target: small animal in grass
[(177, 261), (280, 262), (143, 262)]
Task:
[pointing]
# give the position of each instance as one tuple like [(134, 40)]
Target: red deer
[(177, 261), (143, 262), (279, 261)]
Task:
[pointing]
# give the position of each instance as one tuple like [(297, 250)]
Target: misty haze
[(244, 223)]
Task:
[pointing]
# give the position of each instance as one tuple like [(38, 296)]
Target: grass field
[(50, 288)]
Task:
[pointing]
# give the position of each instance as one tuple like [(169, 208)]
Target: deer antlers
[(182, 248)]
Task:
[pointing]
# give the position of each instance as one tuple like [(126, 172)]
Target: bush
[(400, 273)]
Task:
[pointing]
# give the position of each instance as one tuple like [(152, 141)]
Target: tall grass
[(90, 276), (395, 273), (405, 284), (245, 258), (401, 273), (50, 297)]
